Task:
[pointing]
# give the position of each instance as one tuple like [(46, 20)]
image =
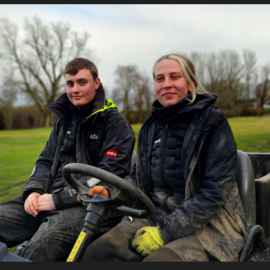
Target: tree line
[(239, 82), (34, 66)]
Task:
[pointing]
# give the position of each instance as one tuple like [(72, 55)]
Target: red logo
[(111, 153)]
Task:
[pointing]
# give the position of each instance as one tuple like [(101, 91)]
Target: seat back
[(246, 184), (133, 160)]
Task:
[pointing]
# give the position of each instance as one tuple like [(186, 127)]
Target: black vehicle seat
[(246, 184), (133, 160), (255, 248)]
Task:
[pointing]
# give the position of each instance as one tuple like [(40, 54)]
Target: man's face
[(170, 83), (81, 88)]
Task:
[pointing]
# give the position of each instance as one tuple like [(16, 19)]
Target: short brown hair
[(77, 64)]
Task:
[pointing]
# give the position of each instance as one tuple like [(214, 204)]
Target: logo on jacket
[(94, 136), (72, 191), (107, 103), (111, 153)]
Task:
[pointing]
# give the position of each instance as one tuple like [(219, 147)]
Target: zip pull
[(162, 170)]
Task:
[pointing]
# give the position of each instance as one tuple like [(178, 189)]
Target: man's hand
[(31, 204), (96, 190), (45, 203), (146, 240)]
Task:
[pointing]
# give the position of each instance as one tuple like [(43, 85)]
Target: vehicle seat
[(133, 160), (246, 184), (255, 246)]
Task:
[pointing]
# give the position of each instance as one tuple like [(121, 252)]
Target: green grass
[(136, 128), (252, 134), (19, 149)]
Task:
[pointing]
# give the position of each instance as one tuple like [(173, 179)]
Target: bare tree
[(263, 89), (8, 95), (233, 71), (250, 71), (40, 58), (133, 93), (144, 95), (215, 72), (225, 72), (199, 61), (126, 80)]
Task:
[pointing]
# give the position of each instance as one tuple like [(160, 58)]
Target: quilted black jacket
[(212, 208)]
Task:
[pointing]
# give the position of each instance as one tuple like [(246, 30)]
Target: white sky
[(139, 34)]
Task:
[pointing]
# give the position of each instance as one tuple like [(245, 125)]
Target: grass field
[(252, 134), (19, 149)]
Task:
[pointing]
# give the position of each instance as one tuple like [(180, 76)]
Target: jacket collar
[(183, 108), (62, 106)]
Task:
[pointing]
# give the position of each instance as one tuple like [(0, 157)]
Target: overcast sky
[(139, 34)]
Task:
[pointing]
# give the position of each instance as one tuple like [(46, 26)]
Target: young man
[(89, 130)]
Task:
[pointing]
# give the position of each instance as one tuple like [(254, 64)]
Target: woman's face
[(170, 83)]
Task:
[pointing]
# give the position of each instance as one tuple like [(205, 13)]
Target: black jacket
[(212, 207), (172, 123), (102, 130)]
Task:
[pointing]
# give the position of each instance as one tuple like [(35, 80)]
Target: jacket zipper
[(162, 171), (59, 143), (81, 155)]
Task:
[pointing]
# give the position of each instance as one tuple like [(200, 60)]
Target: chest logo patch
[(94, 136), (111, 153), (157, 141)]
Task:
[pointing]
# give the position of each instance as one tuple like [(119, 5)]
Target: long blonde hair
[(188, 72)]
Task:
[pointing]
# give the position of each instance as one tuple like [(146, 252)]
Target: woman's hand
[(146, 240)]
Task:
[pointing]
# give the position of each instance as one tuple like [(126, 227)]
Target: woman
[(186, 164)]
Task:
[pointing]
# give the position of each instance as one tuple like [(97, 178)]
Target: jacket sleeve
[(119, 137), (115, 157), (39, 179), (218, 168)]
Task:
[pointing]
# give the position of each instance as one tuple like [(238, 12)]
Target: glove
[(95, 190), (146, 240), (98, 190)]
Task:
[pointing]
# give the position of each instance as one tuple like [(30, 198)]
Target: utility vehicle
[(253, 180)]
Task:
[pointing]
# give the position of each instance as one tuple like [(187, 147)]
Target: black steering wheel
[(127, 193)]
